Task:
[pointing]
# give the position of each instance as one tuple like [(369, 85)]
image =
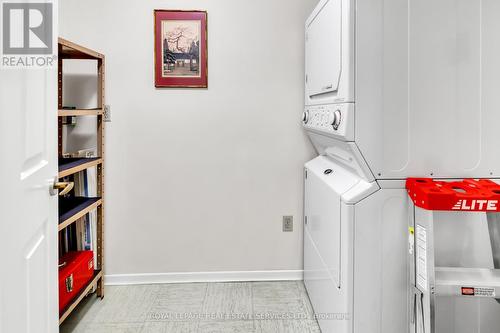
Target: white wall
[(80, 91), (198, 180)]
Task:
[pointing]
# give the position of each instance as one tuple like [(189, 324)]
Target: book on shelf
[(82, 235), (86, 186)]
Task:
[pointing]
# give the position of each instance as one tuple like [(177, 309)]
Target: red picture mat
[(179, 82)]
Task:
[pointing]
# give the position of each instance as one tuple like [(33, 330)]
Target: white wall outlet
[(107, 113), (287, 223)]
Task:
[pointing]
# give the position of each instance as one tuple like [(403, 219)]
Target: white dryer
[(355, 247), (413, 84), (393, 89)]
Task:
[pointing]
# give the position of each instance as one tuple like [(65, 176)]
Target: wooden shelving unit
[(76, 208), (98, 276), (80, 112), (70, 166), (73, 208)]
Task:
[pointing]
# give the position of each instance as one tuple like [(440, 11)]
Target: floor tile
[(170, 327), (114, 328), (278, 301), (178, 302), (125, 305), (286, 326), (305, 299), (228, 301), (196, 308), (240, 326)]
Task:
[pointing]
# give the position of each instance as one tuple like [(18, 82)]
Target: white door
[(28, 212)]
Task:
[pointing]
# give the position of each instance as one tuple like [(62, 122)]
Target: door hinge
[(305, 220), (305, 173)]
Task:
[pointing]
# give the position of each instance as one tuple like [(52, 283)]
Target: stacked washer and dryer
[(395, 89)]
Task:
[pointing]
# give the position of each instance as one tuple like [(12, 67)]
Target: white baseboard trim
[(189, 277)]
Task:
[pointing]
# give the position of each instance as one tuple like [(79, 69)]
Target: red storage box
[(76, 269)]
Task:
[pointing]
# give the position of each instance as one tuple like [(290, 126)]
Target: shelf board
[(69, 166), (79, 112), (73, 208), (81, 295), (70, 50)]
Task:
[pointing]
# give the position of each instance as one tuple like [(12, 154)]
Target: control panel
[(333, 119)]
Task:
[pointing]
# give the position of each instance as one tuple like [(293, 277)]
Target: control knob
[(335, 119), (305, 117)]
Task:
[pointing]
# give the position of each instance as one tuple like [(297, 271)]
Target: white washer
[(354, 249)]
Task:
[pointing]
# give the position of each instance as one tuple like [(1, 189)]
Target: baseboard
[(234, 276)]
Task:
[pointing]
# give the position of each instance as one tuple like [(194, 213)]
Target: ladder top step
[(467, 282), (467, 195)]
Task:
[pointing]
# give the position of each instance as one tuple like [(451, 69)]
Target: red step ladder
[(427, 281)]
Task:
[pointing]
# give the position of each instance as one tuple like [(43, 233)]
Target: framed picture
[(181, 49)]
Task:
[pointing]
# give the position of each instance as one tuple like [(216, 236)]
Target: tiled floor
[(261, 307)]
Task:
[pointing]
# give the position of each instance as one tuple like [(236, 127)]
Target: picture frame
[(181, 57)]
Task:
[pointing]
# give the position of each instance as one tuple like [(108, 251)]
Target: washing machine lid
[(350, 186), (337, 178), (345, 154), (324, 49)]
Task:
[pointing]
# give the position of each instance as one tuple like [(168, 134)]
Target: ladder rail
[(494, 231), (412, 292), (421, 262), (425, 261)]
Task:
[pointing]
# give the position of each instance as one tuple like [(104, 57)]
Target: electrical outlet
[(107, 113), (287, 223)]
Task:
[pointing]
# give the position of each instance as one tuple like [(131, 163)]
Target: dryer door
[(323, 49)]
